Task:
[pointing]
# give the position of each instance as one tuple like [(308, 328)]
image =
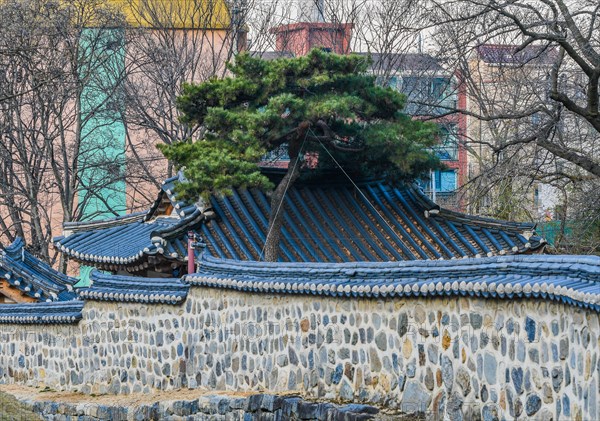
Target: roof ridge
[(574, 280), (507, 259), (42, 313), (15, 247), (103, 223), (123, 288), (34, 277)]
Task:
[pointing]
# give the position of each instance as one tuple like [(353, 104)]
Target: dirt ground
[(132, 400)]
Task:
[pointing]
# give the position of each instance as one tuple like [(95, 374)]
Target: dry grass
[(13, 410)]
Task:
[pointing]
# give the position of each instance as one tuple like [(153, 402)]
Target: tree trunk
[(273, 240)]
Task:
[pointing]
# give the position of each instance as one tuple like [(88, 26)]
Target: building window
[(438, 88), (448, 148), (536, 196), (445, 182), (278, 154)]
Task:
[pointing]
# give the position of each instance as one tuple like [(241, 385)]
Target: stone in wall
[(257, 407), (443, 356)]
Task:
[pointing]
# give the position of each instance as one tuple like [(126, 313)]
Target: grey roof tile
[(503, 277), (32, 276)]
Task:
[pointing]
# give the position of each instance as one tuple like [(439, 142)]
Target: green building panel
[(102, 148)]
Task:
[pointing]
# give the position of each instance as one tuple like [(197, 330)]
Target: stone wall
[(455, 356), (259, 407)]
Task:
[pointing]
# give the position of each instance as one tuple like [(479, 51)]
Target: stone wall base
[(211, 408)]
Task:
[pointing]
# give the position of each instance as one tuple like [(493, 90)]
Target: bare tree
[(571, 29), (79, 77), (530, 71), (168, 45), (51, 68)]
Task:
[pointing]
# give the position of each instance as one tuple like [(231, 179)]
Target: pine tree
[(322, 103)]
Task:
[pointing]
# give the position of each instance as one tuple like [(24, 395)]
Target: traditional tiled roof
[(333, 222), (127, 241), (43, 313), (107, 287), (513, 55), (402, 62), (340, 223), (168, 198), (271, 55), (574, 280), (32, 277)]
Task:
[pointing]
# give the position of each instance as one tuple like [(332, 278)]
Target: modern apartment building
[(433, 94), (129, 73), (504, 80)]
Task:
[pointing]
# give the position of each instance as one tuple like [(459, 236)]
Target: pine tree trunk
[(273, 240)]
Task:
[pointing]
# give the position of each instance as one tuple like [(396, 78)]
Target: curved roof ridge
[(123, 288), (14, 249), (475, 218), (574, 280), (181, 227), (33, 277), (104, 223), (98, 277), (168, 188), (42, 313), (562, 262)]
